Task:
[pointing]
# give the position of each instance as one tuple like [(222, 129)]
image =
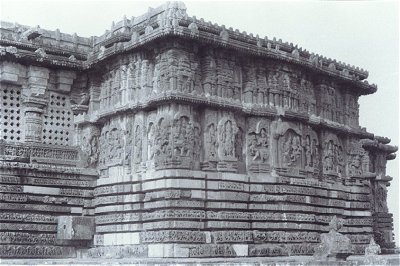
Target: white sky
[(363, 33)]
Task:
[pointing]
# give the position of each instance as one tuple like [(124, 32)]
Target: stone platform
[(393, 259), (171, 137)]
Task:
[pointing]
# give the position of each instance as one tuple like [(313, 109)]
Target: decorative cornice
[(169, 20)]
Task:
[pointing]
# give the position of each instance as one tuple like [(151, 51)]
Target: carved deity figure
[(308, 152), (150, 142), (228, 139), (258, 146), (196, 144), (380, 198), (292, 150), (162, 138), (211, 143), (315, 154), (311, 153), (333, 160), (339, 160), (93, 151), (355, 165), (137, 156), (329, 157), (249, 83), (183, 137)]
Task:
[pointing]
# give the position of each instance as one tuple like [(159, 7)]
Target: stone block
[(41, 190), (9, 72), (113, 239), (39, 72), (241, 250), (226, 205), (75, 228), (8, 77), (181, 251), (160, 250), (76, 210)]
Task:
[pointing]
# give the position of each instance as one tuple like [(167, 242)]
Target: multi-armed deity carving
[(291, 149), (297, 149), (357, 159), (172, 139), (111, 145), (227, 130), (220, 142), (333, 161), (258, 145)]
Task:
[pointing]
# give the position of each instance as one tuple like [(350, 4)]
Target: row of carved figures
[(182, 142), (255, 84)]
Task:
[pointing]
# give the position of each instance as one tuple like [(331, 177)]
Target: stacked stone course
[(174, 137)]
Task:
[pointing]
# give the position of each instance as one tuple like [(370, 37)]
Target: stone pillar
[(35, 102), (33, 124), (383, 220)]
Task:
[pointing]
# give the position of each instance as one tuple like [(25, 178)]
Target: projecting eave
[(44, 47), (308, 61), (380, 144)]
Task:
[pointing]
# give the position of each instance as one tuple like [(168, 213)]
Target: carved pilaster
[(94, 94), (33, 120), (383, 220), (34, 101)]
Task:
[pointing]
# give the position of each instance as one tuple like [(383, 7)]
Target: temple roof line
[(73, 51)]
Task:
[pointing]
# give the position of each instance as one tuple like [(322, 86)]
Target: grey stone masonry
[(172, 137)]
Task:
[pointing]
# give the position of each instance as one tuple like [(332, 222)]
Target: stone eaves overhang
[(189, 29)]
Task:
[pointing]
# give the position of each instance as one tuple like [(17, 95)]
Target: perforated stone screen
[(10, 113), (58, 121)]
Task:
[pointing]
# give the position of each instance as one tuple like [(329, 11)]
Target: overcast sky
[(361, 33)]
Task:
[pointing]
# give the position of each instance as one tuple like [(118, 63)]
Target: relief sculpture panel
[(258, 145)]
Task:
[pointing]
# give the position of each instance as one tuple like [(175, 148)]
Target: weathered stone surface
[(334, 245), (75, 228), (207, 143)]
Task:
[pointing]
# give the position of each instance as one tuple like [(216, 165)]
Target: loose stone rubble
[(169, 136)]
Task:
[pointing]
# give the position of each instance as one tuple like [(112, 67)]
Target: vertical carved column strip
[(34, 102)]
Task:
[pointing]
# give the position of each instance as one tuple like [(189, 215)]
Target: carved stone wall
[(182, 139)]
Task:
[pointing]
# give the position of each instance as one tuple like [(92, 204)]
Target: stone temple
[(169, 136)]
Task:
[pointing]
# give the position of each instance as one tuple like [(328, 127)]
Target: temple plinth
[(169, 136)]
